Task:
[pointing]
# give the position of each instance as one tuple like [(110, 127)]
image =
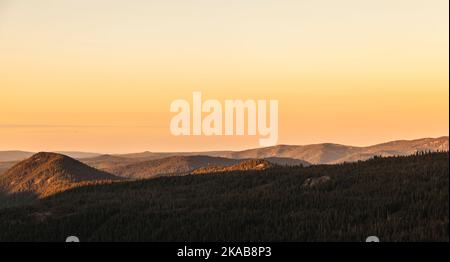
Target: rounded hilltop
[(45, 173)]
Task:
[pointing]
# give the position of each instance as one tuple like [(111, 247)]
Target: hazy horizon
[(99, 76)]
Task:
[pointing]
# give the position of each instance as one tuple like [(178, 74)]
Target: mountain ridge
[(245, 165), (172, 165), (321, 153)]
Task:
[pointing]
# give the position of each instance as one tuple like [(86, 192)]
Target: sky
[(100, 75)]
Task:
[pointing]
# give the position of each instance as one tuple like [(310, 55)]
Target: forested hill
[(395, 198)]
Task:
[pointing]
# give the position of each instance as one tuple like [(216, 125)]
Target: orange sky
[(100, 75)]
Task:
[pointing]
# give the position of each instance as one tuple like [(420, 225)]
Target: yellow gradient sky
[(100, 75)]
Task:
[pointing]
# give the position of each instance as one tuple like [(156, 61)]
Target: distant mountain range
[(334, 153), (34, 172), (325, 153)]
